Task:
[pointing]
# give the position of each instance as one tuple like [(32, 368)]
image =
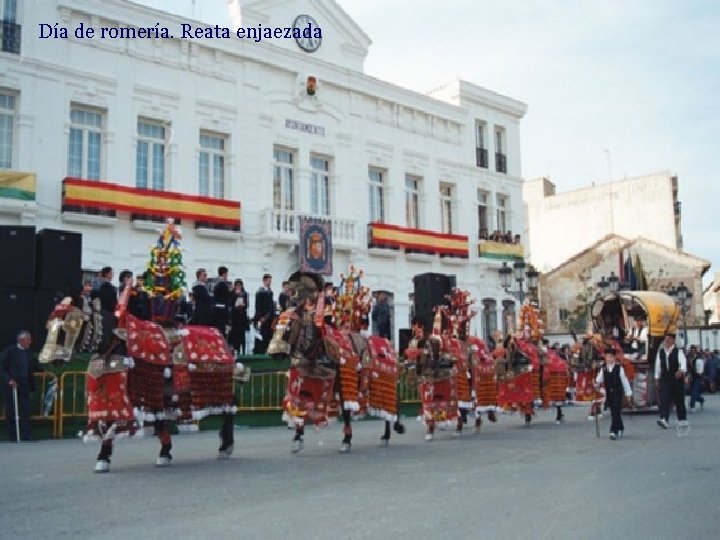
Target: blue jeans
[(695, 392)]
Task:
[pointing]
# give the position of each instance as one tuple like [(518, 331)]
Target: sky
[(614, 88)]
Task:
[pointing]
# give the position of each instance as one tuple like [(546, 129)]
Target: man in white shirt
[(638, 338), (670, 369), (612, 376)]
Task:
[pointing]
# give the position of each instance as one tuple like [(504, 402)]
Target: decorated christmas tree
[(165, 275)]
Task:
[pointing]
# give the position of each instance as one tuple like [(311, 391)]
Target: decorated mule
[(531, 372), (336, 370), (434, 366), (455, 370), (149, 372)]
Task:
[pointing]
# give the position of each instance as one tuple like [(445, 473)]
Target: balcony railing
[(500, 162), (489, 249), (481, 157), (386, 236), (284, 225), (10, 36)]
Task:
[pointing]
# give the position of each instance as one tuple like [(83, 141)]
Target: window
[(10, 32), (502, 213), (211, 165), (412, 196), (376, 179), (489, 318), (150, 156), (7, 128), (500, 157), (85, 143), (9, 11), (284, 179), (483, 225), (481, 153), (447, 193), (320, 185)]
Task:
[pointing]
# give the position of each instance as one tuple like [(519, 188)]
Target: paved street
[(546, 481)]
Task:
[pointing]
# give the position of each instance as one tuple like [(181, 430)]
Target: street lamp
[(613, 283), (518, 273), (604, 286), (683, 298)]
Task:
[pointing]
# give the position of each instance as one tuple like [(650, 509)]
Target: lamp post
[(683, 298), (519, 275)]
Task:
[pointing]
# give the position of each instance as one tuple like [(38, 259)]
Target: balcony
[(489, 249), (385, 236), (103, 199), (500, 162), (283, 226), (17, 193), (481, 157), (10, 35)]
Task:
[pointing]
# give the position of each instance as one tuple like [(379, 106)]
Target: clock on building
[(307, 33)]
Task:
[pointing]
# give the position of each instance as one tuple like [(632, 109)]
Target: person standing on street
[(264, 314), (201, 294), (696, 369), (670, 369), (17, 366), (617, 388), (381, 316), (221, 301)]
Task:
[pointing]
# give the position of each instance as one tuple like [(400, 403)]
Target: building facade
[(645, 206), (568, 291), (243, 139)]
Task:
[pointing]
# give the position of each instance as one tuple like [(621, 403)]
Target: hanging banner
[(316, 245)]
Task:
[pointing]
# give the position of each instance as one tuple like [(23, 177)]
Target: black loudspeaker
[(405, 335), (58, 257), (431, 290), (17, 244), (17, 313)]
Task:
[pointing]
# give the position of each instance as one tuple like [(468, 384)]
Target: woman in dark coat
[(239, 322)]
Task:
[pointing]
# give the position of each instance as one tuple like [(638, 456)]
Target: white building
[(231, 122), (560, 225)]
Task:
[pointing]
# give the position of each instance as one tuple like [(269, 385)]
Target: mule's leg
[(163, 434), (385, 439), (462, 419), (227, 436), (346, 445), (559, 417), (478, 422), (297, 442), (398, 425), (492, 416), (102, 465), (430, 433)]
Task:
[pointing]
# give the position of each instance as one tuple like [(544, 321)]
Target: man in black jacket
[(221, 301), (203, 302), (670, 369), (107, 292), (264, 314), (17, 366)]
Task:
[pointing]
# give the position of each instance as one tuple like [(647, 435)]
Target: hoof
[(492, 416), (163, 461), (458, 433), (429, 437), (102, 466), (225, 453), (296, 446), (399, 428), (345, 448), (384, 442)]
